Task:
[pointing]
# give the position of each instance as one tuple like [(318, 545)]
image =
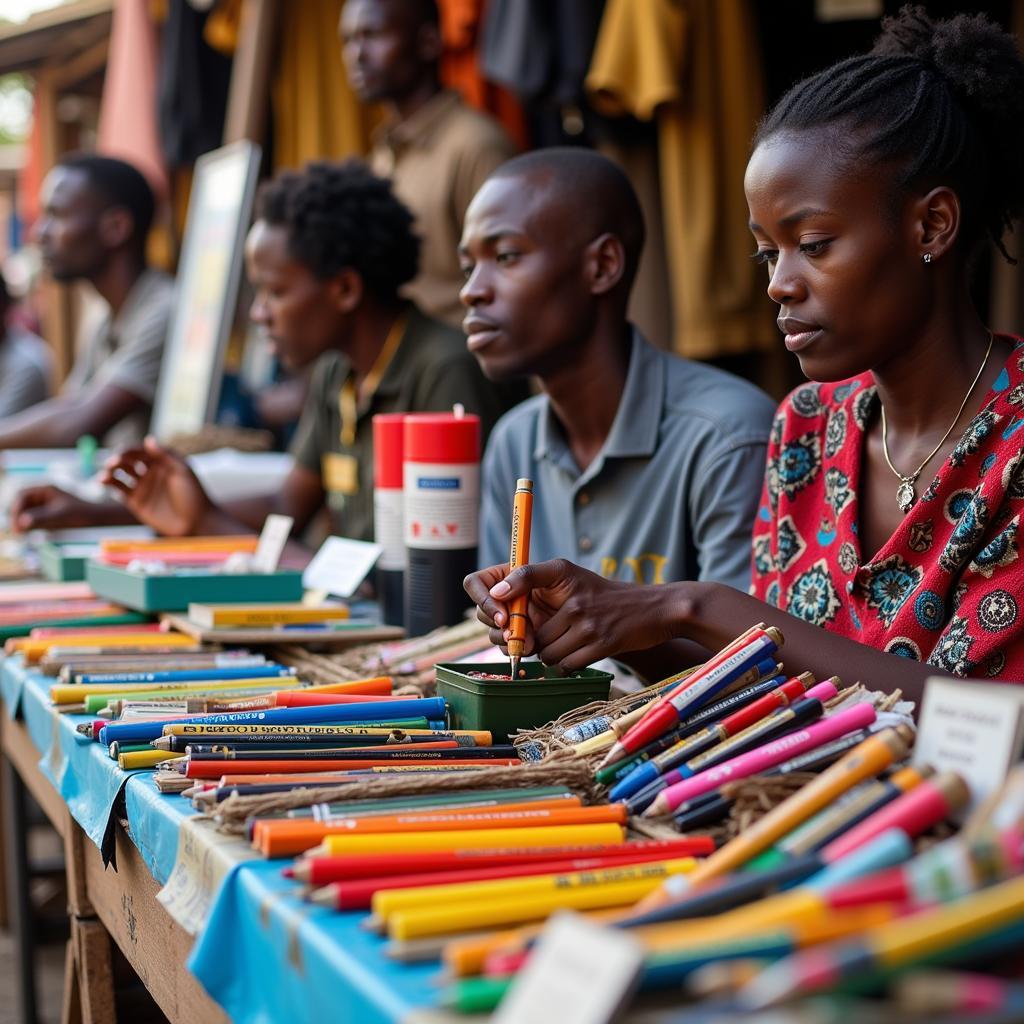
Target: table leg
[(15, 839)]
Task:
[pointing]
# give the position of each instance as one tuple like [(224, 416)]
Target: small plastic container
[(503, 706), (65, 562)]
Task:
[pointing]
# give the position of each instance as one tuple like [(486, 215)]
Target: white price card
[(578, 973), (340, 566), (972, 728), (273, 538)]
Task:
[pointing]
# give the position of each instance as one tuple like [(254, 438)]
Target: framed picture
[(207, 289)]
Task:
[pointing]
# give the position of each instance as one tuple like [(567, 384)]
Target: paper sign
[(972, 728), (578, 973), (204, 857), (340, 566), (847, 10), (273, 538)]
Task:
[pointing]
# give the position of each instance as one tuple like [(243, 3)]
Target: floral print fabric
[(947, 587)]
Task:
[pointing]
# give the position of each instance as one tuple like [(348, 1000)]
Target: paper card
[(972, 728), (578, 973), (273, 538), (847, 10), (340, 566)]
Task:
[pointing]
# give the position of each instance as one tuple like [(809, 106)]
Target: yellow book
[(212, 616), (484, 838), (228, 542)]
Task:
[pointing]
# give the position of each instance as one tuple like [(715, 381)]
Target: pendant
[(906, 495)]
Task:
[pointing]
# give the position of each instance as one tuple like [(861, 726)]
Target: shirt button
[(586, 543), (583, 498), (849, 586)]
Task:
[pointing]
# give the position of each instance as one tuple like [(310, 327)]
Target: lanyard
[(349, 399)]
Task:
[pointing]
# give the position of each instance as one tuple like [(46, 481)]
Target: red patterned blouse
[(948, 585)]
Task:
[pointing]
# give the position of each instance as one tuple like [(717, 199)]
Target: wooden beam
[(251, 71), (83, 64)]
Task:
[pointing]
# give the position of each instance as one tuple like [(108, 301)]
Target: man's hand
[(49, 508), (159, 489), (575, 616)]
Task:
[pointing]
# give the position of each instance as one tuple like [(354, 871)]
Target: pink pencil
[(744, 765)]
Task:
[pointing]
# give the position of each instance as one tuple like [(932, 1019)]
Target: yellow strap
[(349, 399)]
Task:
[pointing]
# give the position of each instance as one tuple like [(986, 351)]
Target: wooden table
[(103, 905)]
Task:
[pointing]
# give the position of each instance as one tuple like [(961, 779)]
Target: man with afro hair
[(329, 251)]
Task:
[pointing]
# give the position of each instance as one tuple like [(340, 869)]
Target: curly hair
[(941, 102), (340, 215)]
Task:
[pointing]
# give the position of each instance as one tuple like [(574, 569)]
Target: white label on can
[(389, 527), (442, 505)]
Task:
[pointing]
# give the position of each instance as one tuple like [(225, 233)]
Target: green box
[(65, 562), (503, 707), (175, 590)]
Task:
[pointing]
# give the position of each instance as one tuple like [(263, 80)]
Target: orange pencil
[(522, 520), (225, 542), (375, 684), (282, 837), (35, 649)]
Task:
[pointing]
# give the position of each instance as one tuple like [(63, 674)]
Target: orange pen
[(522, 519)]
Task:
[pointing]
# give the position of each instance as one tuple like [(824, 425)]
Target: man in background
[(97, 212), (25, 362), (436, 150)]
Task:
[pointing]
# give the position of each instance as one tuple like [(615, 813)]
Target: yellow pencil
[(35, 649), (74, 694), (144, 759), (421, 922), (484, 838), (386, 902)]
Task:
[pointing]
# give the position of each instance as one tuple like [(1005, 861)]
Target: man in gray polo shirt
[(646, 467)]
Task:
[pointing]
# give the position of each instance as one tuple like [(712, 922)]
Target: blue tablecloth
[(263, 955)]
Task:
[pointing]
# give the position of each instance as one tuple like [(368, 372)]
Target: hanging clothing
[(947, 587), (317, 116), (460, 67), (193, 93), (692, 67)]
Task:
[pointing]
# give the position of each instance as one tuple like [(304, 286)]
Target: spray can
[(388, 515), (441, 453)]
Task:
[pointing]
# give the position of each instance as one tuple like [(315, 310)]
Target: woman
[(895, 485)]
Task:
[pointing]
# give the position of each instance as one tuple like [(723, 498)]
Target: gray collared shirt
[(671, 495)]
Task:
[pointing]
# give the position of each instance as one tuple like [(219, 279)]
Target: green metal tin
[(504, 706)]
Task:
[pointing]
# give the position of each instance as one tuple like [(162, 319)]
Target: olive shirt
[(431, 371), (671, 495)]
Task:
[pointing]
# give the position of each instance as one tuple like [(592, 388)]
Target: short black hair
[(341, 215), (602, 194), (942, 102), (118, 183)]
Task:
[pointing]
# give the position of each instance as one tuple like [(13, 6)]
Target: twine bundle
[(562, 770)]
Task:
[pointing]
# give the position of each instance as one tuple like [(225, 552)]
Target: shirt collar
[(637, 421), (418, 129), (396, 371), (138, 295)]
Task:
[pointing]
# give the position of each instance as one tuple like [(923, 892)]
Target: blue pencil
[(333, 714), (271, 670)]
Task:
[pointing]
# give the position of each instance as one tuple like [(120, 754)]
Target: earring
[(927, 257)]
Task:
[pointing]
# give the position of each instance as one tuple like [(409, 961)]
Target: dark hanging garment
[(193, 87)]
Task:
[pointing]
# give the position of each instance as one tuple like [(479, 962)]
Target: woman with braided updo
[(890, 519)]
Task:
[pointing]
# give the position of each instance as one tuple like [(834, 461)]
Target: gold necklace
[(906, 493)]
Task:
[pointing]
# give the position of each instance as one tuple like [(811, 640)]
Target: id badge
[(340, 473)]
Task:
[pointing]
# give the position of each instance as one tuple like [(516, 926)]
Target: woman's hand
[(575, 616), (159, 488)]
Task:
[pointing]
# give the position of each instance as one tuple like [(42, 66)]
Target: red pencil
[(318, 871), (298, 699), (358, 893)]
